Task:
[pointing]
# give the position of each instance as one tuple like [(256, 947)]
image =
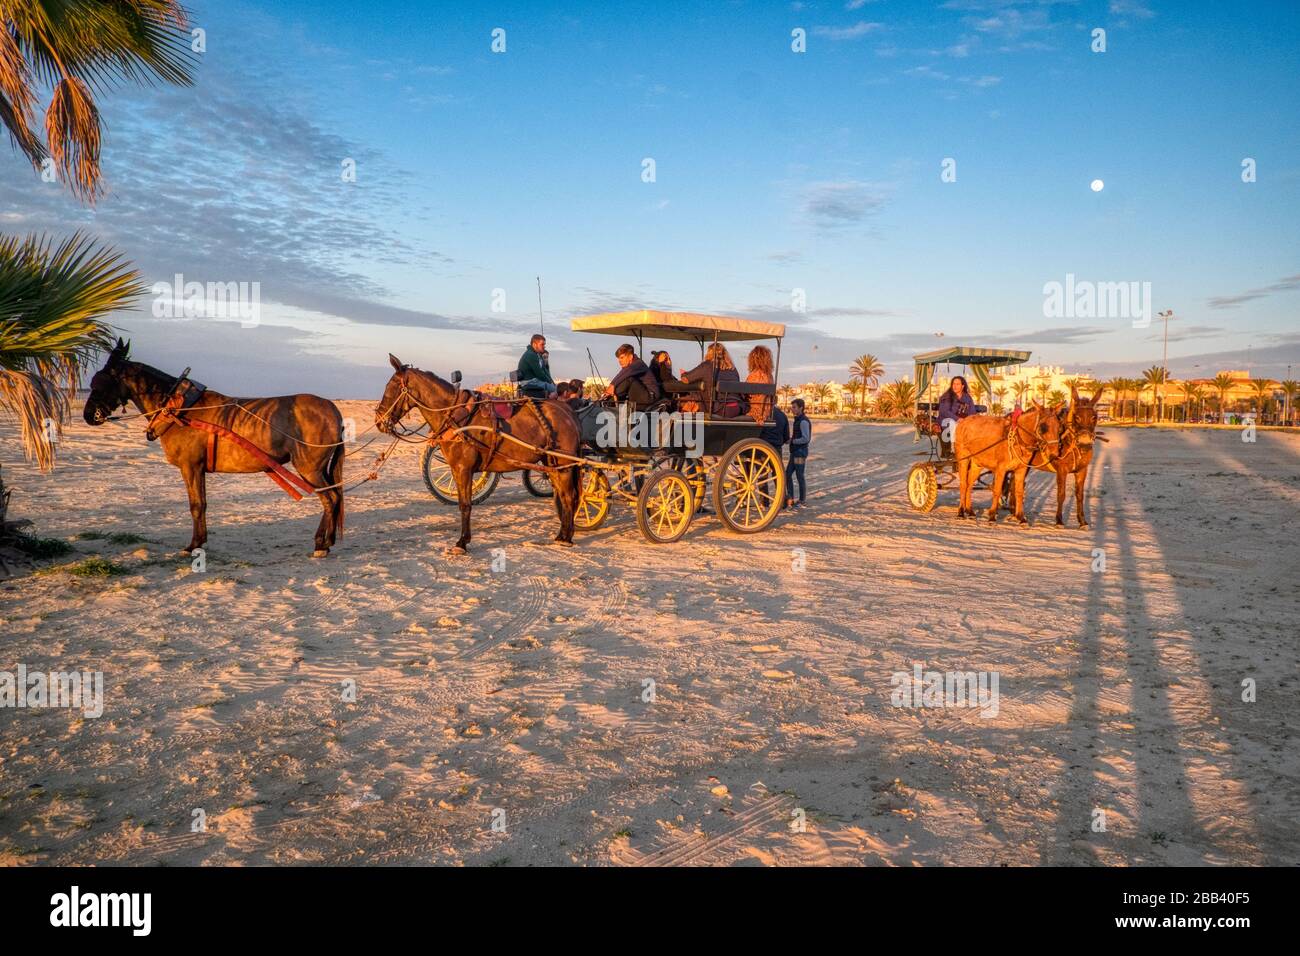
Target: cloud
[(1131, 8), (855, 32), (1285, 284), (231, 181), (832, 207)]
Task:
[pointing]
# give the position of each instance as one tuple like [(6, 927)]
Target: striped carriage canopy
[(979, 361), (690, 326)]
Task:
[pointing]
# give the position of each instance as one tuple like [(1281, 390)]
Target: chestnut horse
[(475, 438), (1078, 433), (1001, 446), (303, 429)]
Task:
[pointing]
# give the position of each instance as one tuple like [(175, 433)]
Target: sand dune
[(500, 717)]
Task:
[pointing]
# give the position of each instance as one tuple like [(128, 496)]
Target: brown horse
[(303, 429), (485, 441), (1078, 434), (1002, 446)]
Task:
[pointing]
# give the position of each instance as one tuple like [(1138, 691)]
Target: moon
[(1097, 185)]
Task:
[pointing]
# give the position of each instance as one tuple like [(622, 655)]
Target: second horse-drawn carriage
[(939, 470)]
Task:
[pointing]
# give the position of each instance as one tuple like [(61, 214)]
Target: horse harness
[(185, 394), (1013, 451), (459, 416)]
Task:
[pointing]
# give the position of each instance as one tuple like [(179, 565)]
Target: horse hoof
[(457, 551), (320, 553), (1083, 526), (562, 544)]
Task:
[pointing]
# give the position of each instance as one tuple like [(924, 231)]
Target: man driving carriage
[(534, 373)]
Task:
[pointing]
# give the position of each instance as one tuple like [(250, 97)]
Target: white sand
[(522, 691)]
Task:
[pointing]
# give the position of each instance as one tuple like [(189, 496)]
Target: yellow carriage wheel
[(593, 500), (749, 486), (442, 484), (664, 506), (922, 486)]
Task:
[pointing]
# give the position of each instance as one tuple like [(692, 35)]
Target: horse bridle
[(460, 402), (1037, 447)]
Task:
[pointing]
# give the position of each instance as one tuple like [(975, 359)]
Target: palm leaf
[(53, 300)]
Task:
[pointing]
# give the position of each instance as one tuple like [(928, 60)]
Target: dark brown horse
[(1078, 434), (485, 441), (1001, 446), (302, 429)]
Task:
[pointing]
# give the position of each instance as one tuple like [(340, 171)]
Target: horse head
[(109, 389), (1082, 417), (407, 389), (1045, 426), (396, 401)]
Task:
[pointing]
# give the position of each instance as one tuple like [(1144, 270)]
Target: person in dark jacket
[(717, 368), (800, 441), (534, 373), (634, 382), (954, 405), (777, 434)]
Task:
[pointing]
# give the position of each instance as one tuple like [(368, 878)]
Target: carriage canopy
[(688, 326), (979, 360)]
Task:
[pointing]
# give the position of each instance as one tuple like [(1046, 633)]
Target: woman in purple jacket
[(954, 405)]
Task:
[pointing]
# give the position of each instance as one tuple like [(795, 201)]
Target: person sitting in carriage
[(954, 405), (718, 368), (661, 363), (634, 382), (534, 372)]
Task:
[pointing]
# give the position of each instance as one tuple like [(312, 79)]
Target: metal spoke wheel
[(749, 486), (593, 500), (440, 481), (664, 506), (922, 486), (538, 483)]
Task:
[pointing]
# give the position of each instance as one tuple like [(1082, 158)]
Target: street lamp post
[(1167, 314)]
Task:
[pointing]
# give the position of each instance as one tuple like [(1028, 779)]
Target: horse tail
[(335, 471)]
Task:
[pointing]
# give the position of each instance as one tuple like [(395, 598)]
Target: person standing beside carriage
[(800, 441), (534, 373)]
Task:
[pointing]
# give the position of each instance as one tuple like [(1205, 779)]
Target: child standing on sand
[(800, 440)]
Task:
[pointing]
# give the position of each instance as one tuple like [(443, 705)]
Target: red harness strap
[(282, 476)]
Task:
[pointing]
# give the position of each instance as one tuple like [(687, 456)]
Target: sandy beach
[(505, 716)]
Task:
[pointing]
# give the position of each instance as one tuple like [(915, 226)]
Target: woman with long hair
[(760, 372), (717, 368), (954, 405)]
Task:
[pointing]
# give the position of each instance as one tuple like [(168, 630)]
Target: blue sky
[(775, 170)]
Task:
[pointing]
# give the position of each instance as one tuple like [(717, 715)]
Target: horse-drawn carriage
[(683, 450), (665, 457), (939, 470)]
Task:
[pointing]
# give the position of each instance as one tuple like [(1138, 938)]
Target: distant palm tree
[(1057, 397), (1191, 392), (1263, 394), (75, 49), (1021, 389), (52, 304), (1222, 382), (1154, 378), (1118, 386), (901, 397), (867, 370), (1290, 388), (822, 392)]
